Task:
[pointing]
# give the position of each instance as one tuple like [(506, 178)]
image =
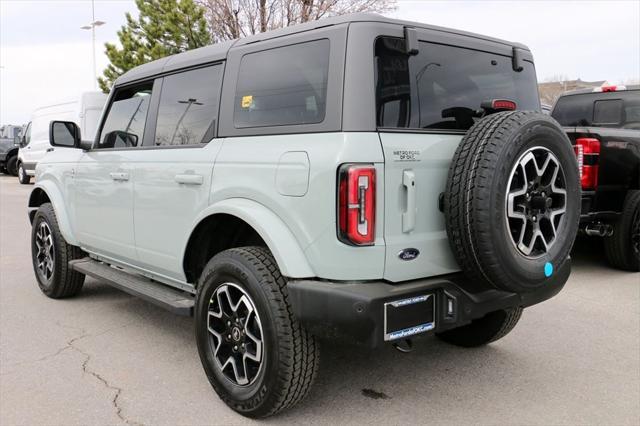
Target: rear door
[(172, 176), (425, 104)]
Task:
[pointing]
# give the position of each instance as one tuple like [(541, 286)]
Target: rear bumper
[(354, 312)]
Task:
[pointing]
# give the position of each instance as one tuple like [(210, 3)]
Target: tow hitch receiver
[(408, 317)]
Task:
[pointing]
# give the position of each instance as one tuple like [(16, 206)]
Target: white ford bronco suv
[(357, 178)]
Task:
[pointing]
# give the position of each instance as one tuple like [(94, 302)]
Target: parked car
[(301, 184), (9, 144), (83, 110), (604, 126)]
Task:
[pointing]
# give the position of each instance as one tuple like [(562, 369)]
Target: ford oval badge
[(409, 254)]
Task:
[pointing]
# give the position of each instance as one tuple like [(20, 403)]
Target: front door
[(104, 178)]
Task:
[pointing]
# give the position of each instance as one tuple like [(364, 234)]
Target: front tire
[(257, 356), (51, 254), (23, 177), (12, 165), (482, 331), (622, 249)]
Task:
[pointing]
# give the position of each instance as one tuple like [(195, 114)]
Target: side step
[(174, 300)]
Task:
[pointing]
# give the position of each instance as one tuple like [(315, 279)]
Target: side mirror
[(64, 134), (17, 141), (119, 139)]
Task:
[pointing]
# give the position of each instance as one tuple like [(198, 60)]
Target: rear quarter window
[(283, 86)]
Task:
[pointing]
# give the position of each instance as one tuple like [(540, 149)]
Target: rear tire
[(491, 327), (278, 370), (51, 254), (12, 165), (23, 177), (622, 249)]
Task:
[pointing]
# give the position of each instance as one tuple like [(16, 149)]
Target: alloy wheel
[(536, 202), (236, 334), (45, 256)]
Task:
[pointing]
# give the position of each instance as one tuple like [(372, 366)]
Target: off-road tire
[(619, 248), (291, 353), (476, 190), (11, 165), (491, 327), (65, 282), (23, 177)]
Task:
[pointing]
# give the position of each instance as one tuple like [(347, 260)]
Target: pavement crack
[(118, 390), (71, 344)]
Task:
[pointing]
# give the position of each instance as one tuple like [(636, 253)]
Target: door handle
[(189, 179), (119, 176), (409, 216)]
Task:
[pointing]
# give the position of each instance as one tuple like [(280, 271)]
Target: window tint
[(443, 86), (189, 107), (283, 86), (575, 110), (607, 111), (124, 126)]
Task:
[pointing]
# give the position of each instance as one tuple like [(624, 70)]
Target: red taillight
[(357, 204), (587, 153)]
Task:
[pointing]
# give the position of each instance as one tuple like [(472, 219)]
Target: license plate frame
[(407, 317)]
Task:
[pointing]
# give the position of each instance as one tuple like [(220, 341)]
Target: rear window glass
[(443, 86), (607, 111), (283, 86), (610, 109)]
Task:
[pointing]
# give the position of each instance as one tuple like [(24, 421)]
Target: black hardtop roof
[(218, 51)]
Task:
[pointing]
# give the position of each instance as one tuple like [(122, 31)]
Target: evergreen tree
[(164, 27)]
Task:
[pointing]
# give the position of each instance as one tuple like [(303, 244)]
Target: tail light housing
[(357, 204), (588, 153)]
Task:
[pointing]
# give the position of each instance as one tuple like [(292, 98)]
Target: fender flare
[(276, 234), (57, 201)]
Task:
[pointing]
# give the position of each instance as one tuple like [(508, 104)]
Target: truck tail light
[(357, 204), (587, 153)]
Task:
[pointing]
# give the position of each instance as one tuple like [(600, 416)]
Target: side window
[(607, 112), (124, 126), (188, 108), (27, 134), (283, 86)]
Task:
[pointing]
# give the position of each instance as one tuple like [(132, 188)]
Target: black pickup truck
[(604, 127)]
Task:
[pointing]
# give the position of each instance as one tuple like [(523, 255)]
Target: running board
[(174, 300)]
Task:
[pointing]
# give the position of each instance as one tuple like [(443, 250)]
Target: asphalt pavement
[(105, 357)]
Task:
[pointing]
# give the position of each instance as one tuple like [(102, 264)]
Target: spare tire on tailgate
[(512, 202)]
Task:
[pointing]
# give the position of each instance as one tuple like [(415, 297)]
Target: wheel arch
[(47, 192), (244, 222)]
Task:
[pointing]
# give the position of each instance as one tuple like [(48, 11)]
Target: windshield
[(443, 86), (609, 109)]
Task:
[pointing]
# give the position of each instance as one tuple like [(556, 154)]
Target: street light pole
[(92, 26)]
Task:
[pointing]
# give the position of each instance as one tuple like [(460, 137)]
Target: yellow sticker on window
[(247, 101)]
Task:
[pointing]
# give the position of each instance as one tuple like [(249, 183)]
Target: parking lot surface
[(105, 357)]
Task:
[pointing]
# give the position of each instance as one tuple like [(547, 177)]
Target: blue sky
[(45, 56)]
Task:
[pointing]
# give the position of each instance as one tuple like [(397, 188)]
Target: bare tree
[(230, 19)]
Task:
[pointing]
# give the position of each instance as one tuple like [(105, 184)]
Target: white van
[(84, 110)]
